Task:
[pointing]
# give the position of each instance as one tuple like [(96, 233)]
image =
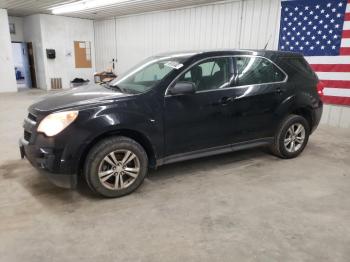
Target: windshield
[(147, 74)]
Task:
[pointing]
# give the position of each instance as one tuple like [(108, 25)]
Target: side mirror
[(182, 88)]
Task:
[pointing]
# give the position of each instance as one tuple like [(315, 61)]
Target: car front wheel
[(116, 167), (291, 137)]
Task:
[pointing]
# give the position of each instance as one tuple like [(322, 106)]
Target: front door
[(198, 121)]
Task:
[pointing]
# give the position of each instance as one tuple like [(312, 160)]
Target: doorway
[(24, 65), (31, 64)]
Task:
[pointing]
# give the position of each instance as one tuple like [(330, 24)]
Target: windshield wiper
[(107, 85), (131, 91)]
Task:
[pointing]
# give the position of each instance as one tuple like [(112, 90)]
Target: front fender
[(97, 122)]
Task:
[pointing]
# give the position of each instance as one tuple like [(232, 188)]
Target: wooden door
[(31, 64)]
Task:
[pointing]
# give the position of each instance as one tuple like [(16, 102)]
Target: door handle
[(279, 90), (226, 100)]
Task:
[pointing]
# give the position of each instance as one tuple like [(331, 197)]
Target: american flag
[(321, 31)]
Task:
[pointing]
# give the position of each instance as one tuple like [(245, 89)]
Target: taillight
[(320, 87)]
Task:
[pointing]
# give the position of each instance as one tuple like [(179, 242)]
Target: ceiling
[(29, 7)]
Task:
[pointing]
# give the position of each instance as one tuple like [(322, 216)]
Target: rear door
[(259, 86)]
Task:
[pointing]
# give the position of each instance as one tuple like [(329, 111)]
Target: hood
[(75, 97)]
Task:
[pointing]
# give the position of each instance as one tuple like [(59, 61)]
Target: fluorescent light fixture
[(82, 5)]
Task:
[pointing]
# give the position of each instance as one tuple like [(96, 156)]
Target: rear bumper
[(49, 163)]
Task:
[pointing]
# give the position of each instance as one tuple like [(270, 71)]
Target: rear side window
[(256, 70)]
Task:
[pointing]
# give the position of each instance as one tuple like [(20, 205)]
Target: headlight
[(54, 123)]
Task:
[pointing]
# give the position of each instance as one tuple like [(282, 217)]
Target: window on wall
[(209, 75), (256, 70)]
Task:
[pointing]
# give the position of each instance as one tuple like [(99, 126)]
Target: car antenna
[(268, 41)]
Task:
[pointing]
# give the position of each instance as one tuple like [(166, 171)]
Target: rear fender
[(302, 104)]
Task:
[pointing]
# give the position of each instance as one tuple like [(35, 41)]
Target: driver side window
[(210, 74)]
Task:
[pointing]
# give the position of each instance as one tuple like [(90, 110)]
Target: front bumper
[(49, 163)]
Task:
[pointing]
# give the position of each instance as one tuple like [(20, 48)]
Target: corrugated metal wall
[(337, 116), (231, 24), (105, 43)]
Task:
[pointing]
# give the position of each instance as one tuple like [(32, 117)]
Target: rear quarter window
[(297, 65)]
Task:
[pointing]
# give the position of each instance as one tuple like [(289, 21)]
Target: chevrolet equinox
[(172, 107)]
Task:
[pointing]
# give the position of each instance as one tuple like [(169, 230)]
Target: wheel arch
[(305, 112), (299, 105), (133, 134)]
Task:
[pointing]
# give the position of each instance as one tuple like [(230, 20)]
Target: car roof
[(272, 54)]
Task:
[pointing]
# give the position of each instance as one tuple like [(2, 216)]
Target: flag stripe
[(328, 91), (336, 83), (333, 75), (345, 51), (328, 59), (347, 17), (346, 25), (345, 42), (346, 34), (330, 68), (336, 100), (347, 8)]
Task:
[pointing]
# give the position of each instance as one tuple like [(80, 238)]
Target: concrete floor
[(244, 206)]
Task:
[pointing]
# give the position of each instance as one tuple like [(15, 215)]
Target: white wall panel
[(337, 116), (18, 35), (231, 24), (139, 36), (105, 43), (32, 30), (59, 33), (260, 22), (7, 73)]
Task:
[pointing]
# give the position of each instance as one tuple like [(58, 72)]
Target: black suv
[(169, 108)]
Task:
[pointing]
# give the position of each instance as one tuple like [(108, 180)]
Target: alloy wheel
[(295, 137), (119, 169)]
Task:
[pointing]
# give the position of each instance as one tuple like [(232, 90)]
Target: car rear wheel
[(291, 137), (116, 167)]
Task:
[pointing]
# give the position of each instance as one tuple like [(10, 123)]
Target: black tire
[(278, 147), (97, 155)]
